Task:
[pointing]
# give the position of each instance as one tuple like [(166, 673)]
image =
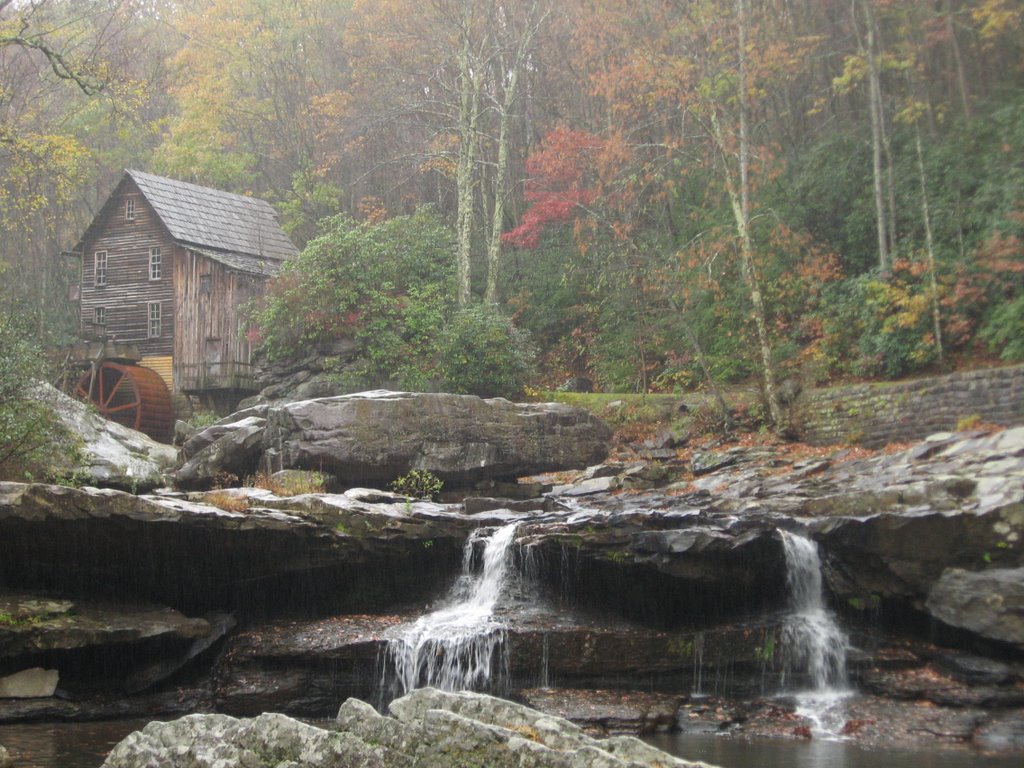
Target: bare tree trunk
[(930, 251), (498, 212), (877, 139), (466, 167), (533, 22), (641, 317), (961, 78), (890, 181), (739, 199)]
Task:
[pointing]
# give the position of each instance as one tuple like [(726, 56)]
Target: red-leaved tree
[(559, 185)]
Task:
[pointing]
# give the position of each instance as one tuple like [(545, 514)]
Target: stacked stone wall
[(873, 415)]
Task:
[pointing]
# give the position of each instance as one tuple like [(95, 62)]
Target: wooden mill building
[(167, 266)]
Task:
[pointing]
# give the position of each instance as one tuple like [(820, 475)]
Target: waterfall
[(812, 641), (454, 647)]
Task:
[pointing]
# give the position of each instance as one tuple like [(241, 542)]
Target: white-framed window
[(154, 263), (154, 327), (99, 315), (100, 268), (129, 209)]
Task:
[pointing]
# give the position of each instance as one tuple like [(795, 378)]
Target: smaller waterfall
[(454, 647), (812, 641), (545, 674)]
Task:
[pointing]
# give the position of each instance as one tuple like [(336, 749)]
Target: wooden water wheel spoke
[(114, 391), (125, 407), (130, 395)]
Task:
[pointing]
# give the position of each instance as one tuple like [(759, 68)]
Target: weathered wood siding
[(211, 350), (128, 290)]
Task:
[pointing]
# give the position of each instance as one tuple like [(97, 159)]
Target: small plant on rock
[(290, 483), (227, 501), (968, 422), (203, 419), (419, 484)]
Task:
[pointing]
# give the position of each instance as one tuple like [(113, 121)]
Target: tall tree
[(261, 93), (510, 61), (63, 91), (695, 74), (455, 71)]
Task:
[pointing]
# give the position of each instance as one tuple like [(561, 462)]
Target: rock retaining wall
[(873, 415)]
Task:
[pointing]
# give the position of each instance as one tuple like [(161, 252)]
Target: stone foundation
[(873, 415)]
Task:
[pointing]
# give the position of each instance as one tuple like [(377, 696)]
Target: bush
[(879, 325), (483, 353), (387, 286), (32, 436), (1003, 330)]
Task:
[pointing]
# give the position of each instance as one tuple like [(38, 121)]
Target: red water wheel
[(130, 395)]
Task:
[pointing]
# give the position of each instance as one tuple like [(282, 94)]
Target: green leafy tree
[(387, 286), (260, 88)]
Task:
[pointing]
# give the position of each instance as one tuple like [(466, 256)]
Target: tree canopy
[(663, 193)]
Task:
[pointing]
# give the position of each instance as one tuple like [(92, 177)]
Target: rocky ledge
[(426, 728), (682, 561), (913, 540), (55, 654), (242, 550)]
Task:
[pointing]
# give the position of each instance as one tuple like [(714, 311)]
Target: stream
[(727, 752), (84, 745)]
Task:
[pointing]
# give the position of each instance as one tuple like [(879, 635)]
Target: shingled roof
[(243, 230)]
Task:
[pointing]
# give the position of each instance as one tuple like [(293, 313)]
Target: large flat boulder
[(371, 438), (426, 728)]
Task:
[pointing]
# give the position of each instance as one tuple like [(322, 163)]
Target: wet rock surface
[(989, 603), (303, 668), (56, 654), (260, 554), (426, 728), (39, 625), (374, 437), (111, 455), (673, 583), (608, 712)]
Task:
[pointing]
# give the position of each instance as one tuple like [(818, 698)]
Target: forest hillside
[(652, 195)]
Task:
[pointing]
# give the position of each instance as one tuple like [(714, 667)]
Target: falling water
[(545, 674), (454, 648), (812, 641)]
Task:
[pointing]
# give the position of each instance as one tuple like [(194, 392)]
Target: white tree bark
[(533, 22), (739, 199), (877, 127), (465, 174)]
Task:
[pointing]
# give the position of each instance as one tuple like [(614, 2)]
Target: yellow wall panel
[(162, 365)]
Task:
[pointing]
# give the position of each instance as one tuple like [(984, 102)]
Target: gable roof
[(211, 219)]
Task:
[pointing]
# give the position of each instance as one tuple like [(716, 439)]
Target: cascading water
[(455, 647), (812, 641)]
